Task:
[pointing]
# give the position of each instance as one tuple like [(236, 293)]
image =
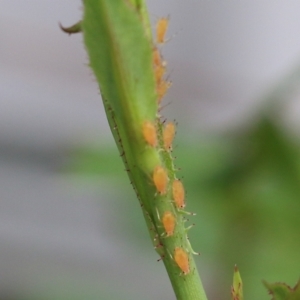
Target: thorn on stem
[(72, 29)]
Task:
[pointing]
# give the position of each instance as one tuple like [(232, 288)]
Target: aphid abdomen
[(168, 135), (160, 179), (178, 193), (169, 222), (149, 133), (182, 260)]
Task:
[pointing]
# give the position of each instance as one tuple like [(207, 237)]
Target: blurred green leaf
[(281, 291), (94, 160), (244, 189)]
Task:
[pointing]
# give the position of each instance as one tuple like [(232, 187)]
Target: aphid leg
[(190, 247), (189, 227), (161, 258), (184, 212)]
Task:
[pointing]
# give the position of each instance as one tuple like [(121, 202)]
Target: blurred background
[(70, 224)]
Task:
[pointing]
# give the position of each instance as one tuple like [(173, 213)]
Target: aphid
[(161, 89), (169, 222), (160, 179), (182, 260), (168, 135), (161, 29), (159, 66), (157, 60), (159, 72), (178, 193), (149, 133)]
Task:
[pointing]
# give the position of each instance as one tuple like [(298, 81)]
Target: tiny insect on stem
[(182, 260), (160, 179)]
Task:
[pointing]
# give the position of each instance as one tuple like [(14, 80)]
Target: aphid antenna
[(174, 35), (184, 212), (164, 106), (164, 120), (167, 104), (154, 18), (167, 78), (159, 17)]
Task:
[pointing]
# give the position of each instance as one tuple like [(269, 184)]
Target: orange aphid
[(161, 29), (159, 72), (149, 133), (168, 135), (161, 89), (159, 66), (157, 60), (178, 193), (169, 222), (182, 260), (160, 179)]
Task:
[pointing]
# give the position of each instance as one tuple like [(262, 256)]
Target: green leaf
[(281, 291)]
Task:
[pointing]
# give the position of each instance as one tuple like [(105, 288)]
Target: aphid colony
[(161, 182), (159, 64), (160, 136)]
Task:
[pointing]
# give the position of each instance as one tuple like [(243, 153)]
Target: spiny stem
[(130, 71)]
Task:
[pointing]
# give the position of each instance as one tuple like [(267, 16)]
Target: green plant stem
[(117, 35)]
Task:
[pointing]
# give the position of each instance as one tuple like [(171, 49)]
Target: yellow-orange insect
[(162, 89), (169, 222), (160, 179), (159, 66), (161, 29), (182, 260), (159, 72), (178, 193), (157, 60), (149, 133), (168, 135)]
